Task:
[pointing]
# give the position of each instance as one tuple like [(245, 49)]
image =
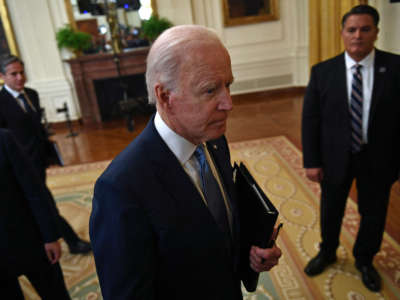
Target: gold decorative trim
[(8, 30), (263, 16), (154, 7), (70, 14)]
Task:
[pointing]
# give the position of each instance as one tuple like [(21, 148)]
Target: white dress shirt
[(184, 150), (367, 73), (181, 148), (15, 94)]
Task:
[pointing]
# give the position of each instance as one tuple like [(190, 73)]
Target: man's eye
[(210, 91)]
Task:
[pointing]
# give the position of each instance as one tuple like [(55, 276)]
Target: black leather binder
[(257, 221)]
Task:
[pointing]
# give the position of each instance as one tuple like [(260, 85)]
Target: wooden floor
[(254, 116)]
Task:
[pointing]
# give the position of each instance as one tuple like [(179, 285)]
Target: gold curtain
[(325, 26)]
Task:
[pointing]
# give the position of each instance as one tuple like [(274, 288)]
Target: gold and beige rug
[(277, 166)]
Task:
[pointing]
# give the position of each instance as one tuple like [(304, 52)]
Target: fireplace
[(94, 73), (111, 91)]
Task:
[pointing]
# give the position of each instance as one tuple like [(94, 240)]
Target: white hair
[(167, 52)]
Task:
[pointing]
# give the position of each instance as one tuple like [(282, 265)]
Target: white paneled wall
[(265, 55)]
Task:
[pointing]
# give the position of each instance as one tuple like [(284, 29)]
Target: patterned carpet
[(277, 166)]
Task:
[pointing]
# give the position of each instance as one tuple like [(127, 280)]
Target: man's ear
[(163, 96)]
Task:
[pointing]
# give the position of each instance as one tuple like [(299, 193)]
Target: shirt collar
[(366, 62), (14, 93), (182, 148)]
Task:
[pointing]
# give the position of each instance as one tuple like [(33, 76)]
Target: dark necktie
[(212, 192), (28, 108), (356, 110)]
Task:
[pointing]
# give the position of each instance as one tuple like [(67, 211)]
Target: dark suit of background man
[(153, 235), (336, 150), (24, 121), (28, 231)]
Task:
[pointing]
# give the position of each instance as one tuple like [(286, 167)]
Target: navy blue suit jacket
[(26, 221), (326, 130), (152, 235)]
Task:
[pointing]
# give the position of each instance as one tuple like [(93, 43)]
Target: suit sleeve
[(123, 243), (311, 124), (33, 189), (34, 97)]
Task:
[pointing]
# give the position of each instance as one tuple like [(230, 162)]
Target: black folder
[(257, 221)]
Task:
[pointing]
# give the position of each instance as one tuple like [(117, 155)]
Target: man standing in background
[(20, 113), (351, 130), (28, 230)]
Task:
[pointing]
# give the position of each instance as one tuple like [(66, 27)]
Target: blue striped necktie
[(356, 110), (212, 192)]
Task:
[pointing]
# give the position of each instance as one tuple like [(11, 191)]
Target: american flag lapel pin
[(382, 70)]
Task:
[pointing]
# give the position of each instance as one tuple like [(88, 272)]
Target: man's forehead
[(15, 66), (359, 19), (207, 66)]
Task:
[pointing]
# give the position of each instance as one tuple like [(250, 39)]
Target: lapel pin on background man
[(351, 130), (164, 222), (20, 113)]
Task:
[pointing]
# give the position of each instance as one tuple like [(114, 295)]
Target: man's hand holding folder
[(264, 259), (257, 216)]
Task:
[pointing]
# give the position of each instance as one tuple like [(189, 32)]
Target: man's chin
[(217, 133)]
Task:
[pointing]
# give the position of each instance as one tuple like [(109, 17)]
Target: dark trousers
[(47, 280), (66, 231), (373, 199)]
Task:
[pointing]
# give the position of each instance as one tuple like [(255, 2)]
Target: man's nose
[(357, 33), (226, 100)]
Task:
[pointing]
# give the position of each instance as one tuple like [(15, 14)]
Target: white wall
[(264, 56), (389, 34)]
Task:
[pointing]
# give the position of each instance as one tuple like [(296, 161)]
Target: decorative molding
[(262, 84), (262, 75), (53, 93), (265, 55)]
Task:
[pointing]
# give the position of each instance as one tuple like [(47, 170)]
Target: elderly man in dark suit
[(28, 231), (164, 222), (20, 113), (351, 130)]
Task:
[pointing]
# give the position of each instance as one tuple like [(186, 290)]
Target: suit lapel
[(218, 152), (10, 100), (224, 168), (340, 91), (340, 82), (380, 70), (174, 178), (177, 182)]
